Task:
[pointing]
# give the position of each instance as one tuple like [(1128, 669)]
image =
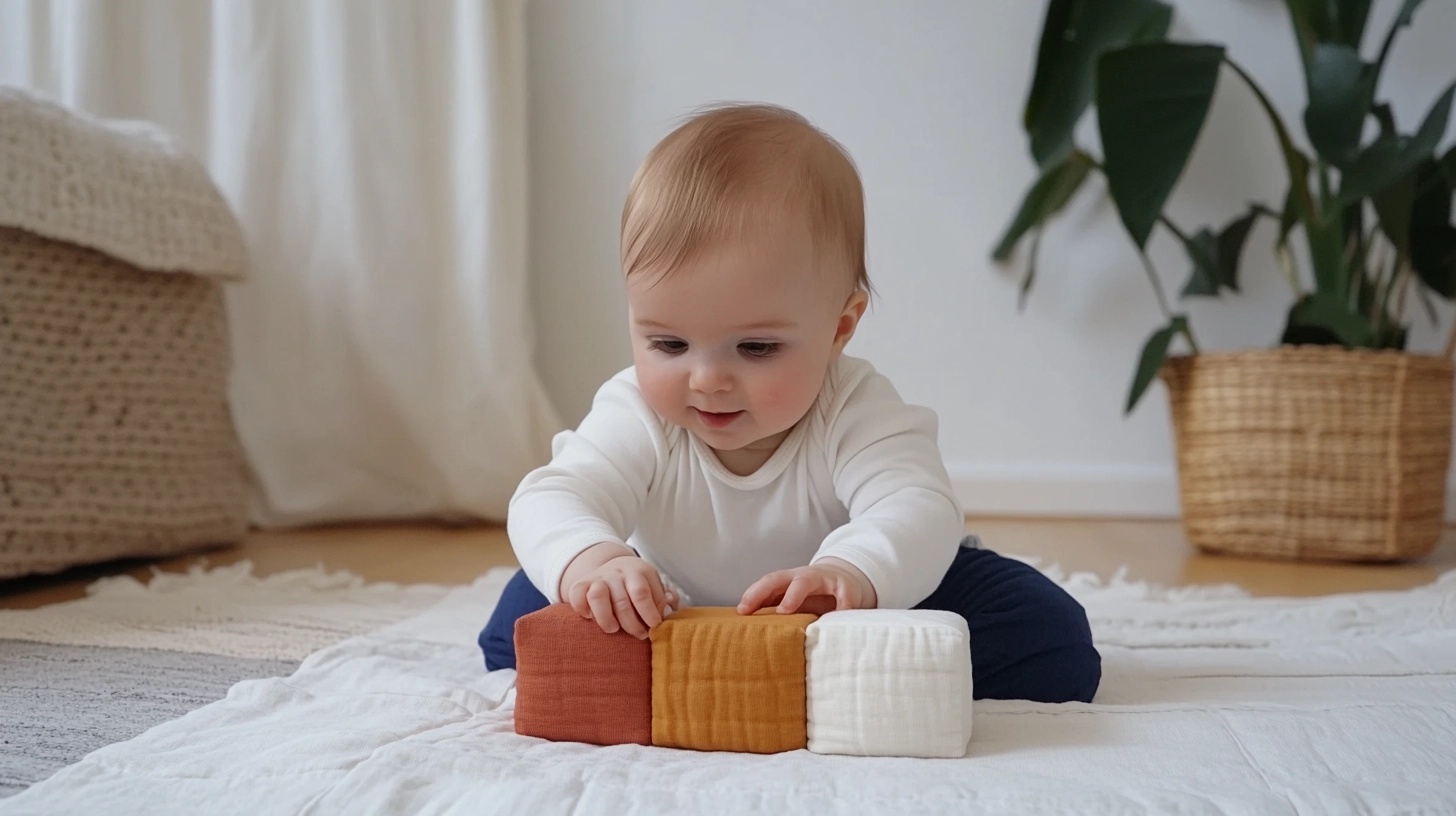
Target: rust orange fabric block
[(576, 683), (722, 681)]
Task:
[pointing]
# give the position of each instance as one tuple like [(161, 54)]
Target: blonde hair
[(730, 169)]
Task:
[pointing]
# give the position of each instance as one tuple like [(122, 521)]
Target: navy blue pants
[(1029, 638)]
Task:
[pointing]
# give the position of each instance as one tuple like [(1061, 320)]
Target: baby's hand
[(824, 587), (624, 593)]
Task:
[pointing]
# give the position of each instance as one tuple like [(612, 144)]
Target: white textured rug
[(77, 676), (1211, 702)]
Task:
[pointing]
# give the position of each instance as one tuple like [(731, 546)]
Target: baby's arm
[(569, 520), (905, 520)]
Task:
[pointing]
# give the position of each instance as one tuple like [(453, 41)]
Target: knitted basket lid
[(125, 188)]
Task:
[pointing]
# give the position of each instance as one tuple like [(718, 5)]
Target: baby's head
[(743, 252)]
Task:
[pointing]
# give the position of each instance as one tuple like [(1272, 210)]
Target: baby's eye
[(667, 346), (759, 349)]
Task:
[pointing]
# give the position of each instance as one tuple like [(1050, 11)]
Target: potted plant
[(1336, 443)]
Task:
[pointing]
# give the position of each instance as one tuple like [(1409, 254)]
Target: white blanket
[(1210, 703)]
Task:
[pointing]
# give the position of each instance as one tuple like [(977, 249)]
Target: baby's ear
[(854, 309)]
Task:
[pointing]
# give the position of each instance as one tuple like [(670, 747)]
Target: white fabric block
[(885, 682)]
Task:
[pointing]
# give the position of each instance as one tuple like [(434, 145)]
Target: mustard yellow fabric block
[(722, 681)]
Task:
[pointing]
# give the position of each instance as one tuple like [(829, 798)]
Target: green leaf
[(1155, 352), (1432, 236), (1202, 250), (1430, 306), (1393, 208), (1231, 247), (1353, 16), (1151, 103), (1448, 166), (1402, 19), (1322, 315), (1298, 204), (1324, 236), (1216, 257), (1341, 89), (1030, 276), (1385, 118), (1434, 258), (1326, 239), (1289, 216), (1352, 219), (1327, 21), (1390, 157), (1074, 34), (1047, 196)]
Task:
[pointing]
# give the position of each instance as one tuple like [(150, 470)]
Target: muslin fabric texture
[(888, 682), (722, 681), (576, 683), (1215, 703)]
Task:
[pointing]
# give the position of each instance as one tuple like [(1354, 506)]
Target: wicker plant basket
[(1312, 452)]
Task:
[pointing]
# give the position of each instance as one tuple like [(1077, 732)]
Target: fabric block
[(576, 683), (889, 683), (722, 681)]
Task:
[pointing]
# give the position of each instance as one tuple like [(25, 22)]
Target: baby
[(744, 458)]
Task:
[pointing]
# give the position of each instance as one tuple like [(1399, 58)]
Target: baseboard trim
[(1088, 491)]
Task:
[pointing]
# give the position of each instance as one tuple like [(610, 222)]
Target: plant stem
[(1354, 263), (1293, 159), (1030, 272), (1383, 288), (1286, 265), (1173, 228), (1385, 47), (1188, 333), (1163, 300), (1281, 253), (1406, 274), (1157, 285)]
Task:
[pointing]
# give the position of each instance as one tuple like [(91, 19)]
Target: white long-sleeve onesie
[(860, 478)]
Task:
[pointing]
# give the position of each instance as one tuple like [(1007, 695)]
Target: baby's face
[(734, 345)]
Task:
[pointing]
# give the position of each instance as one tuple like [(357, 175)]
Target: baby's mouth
[(717, 419)]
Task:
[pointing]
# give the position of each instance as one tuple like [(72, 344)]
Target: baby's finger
[(662, 597), (799, 590), (623, 607), (576, 596), (841, 595), (599, 597), (647, 602), (766, 589)]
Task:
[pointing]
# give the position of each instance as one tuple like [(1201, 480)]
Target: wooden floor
[(1153, 551)]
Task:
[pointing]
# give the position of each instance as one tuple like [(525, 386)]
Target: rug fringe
[(310, 581), (241, 576), (1090, 586)]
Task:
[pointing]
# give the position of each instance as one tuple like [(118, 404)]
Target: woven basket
[(1312, 452), (115, 434)]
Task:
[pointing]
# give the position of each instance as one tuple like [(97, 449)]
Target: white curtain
[(375, 152)]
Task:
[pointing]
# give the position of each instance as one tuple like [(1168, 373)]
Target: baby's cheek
[(657, 389), (791, 392)]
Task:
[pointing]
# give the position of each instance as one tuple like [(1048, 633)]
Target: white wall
[(927, 96)]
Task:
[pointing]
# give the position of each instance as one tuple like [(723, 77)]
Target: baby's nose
[(709, 378)]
